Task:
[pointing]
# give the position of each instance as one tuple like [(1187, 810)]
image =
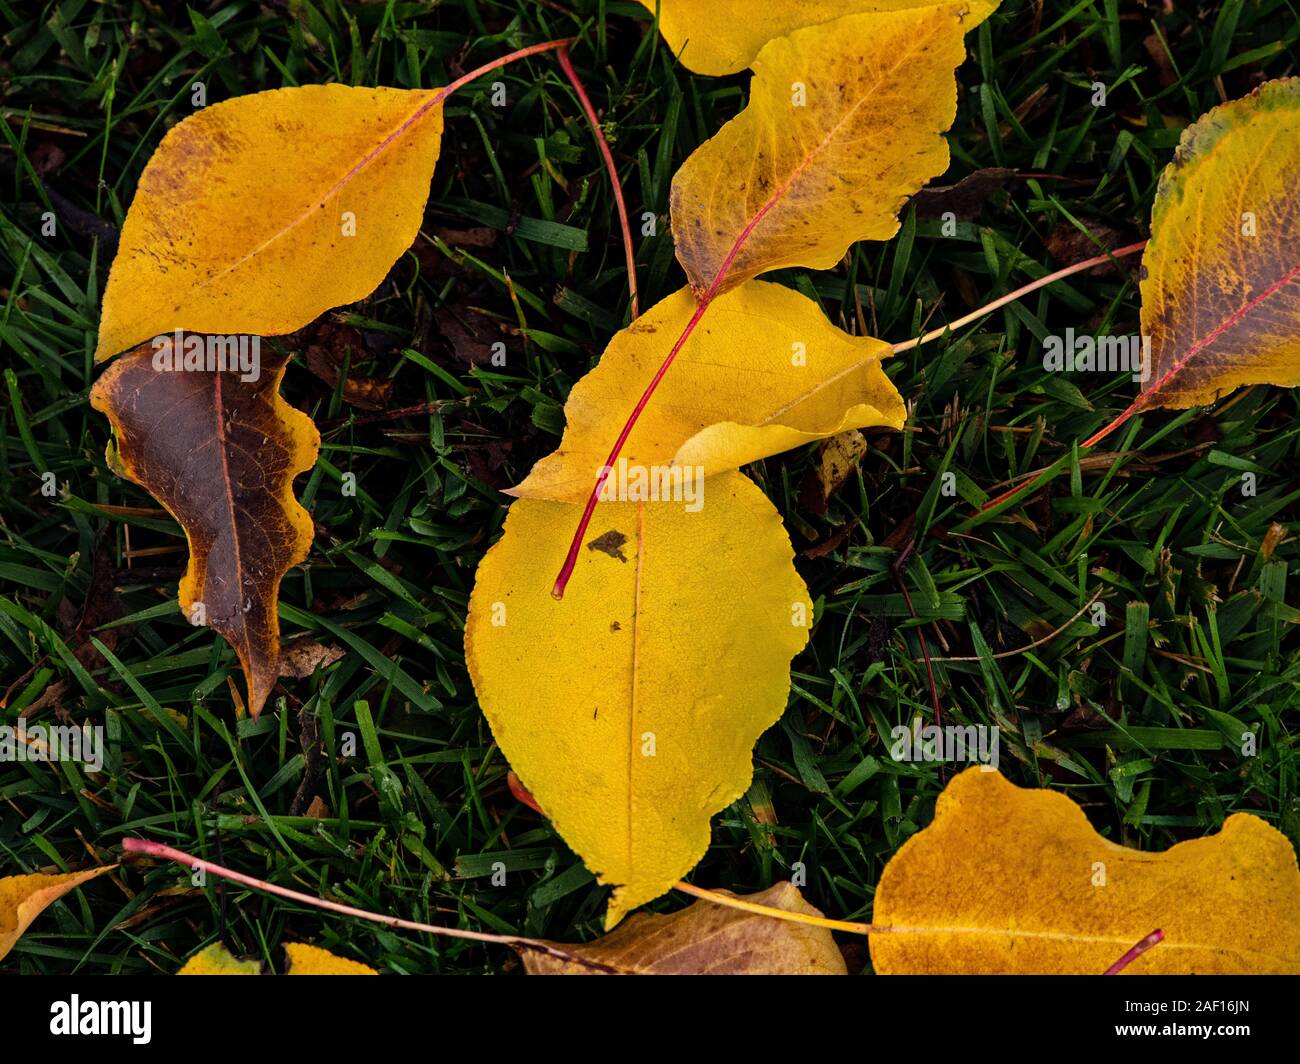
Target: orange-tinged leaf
[(1017, 881), (24, 898), (312, 960), (630, 709), (763, 372), (257, 214), (723, 36), (220, 453), (217, 960), (844, 123), (1221, 275), (705, 939)]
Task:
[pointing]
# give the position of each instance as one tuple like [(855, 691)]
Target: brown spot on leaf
[(610, 543)]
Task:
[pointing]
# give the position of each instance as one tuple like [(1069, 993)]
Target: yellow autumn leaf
[(259, 213), (723, 36), (630, 709), (1221, 275), (312, 960), (24, 898), (1017, 881), (217, 960), (763, 372), (303, 960), (704, 939), (844, 123)]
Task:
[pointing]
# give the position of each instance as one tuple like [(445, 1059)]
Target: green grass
[(1136, 719)]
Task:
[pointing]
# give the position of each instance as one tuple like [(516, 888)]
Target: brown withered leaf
[(220, 454), (468, 336), (299, 660), (705, 939), (1067, 245), (326, 347), (966, 197), (479, 236)]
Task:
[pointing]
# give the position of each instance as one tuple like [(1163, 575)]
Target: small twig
[(566, 64), (1011, 297), (157, 849), (1037, 642)]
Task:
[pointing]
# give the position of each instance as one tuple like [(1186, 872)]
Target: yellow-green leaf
[(217, 960), (1221, 275), (24, 898), (719, 37), (220, 453), (763, 372), (630, 708), (1007, 880), (705, 939), (257, 214), (844, 123)]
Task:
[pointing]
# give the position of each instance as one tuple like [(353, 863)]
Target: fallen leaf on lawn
[(312, 960), (723, 36), (24, 898), (1221, 275), (261, 212), (706, 939), (300, 660), (838, 459), (220, 453), (1017, 881), (966, 198), (845, 121), (303, 960), (763, 372), (217, 960), (631, 708)]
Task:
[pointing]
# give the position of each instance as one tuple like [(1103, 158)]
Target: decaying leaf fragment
[(1015, 881), (24, 898), (764, 372), (723, 36), (1221, 275), (631, 708), (706, 939), (259, 213), (220, 453), (844, 123)]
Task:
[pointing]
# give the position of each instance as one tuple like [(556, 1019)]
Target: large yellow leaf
[(723, 36), (1017, 881), (844, 123), (242, 219), (705, 939), (763, 372), (220, 453), (1221, 276), (24, 898), (630, 708)]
